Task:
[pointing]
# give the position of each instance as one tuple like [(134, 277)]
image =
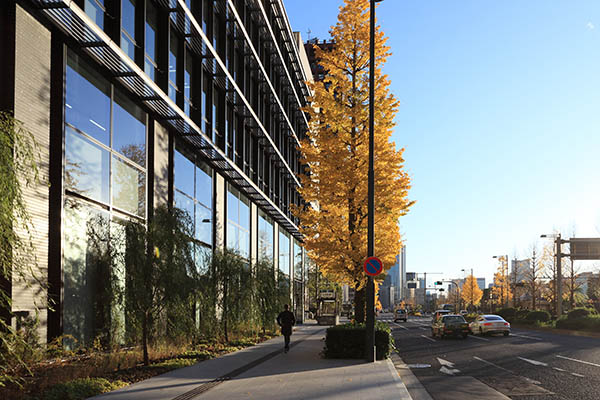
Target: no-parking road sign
[(373, 266)]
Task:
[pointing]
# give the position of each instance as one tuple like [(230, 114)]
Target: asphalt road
[(526, 365)]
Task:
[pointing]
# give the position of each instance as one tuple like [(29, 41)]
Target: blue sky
[(500, 119)]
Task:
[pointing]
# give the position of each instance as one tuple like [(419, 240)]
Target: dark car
[(450, 325), (400, 314)]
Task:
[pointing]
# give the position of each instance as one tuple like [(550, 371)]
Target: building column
[(32, 107)]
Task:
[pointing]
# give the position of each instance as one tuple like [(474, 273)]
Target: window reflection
[(193, 192), (82, 279), (87, 103), (95, 10), (238, 222), (86, 167), (284, 253), (265, 236), (129, 129), (129, 187)]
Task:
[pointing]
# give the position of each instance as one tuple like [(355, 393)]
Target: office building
[(139, 103)]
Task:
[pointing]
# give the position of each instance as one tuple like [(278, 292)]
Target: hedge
[(348, 341), (542, 316), (589, 323), (581, 312), (507, 313)]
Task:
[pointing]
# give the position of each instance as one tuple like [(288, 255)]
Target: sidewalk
[(265, 372)]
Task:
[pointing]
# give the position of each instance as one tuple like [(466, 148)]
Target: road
[(527, 365)]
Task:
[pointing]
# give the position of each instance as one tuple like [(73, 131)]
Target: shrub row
[(587, 323), (526, 316), (348, 341)]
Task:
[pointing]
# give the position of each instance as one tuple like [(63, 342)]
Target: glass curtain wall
[(238, 222), (193, 193), (105, 184), (298, 281), (265, 237), (283, 275)]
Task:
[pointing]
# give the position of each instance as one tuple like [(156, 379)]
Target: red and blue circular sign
[(373, 266)]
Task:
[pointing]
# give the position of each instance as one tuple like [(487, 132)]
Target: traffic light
[(438, 282)]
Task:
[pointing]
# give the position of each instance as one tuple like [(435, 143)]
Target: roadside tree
[(471, 293), (334, 221)]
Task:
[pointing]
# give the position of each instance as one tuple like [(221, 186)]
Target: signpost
[(373, 266), (584, 248)]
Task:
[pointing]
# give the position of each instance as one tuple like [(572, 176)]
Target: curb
[(416, 391)]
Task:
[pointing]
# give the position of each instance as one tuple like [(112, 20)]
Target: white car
[(486, 324)]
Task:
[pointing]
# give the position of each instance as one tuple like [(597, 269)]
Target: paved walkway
[(265, 372)]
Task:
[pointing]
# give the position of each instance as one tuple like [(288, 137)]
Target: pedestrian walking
[(286, 320)]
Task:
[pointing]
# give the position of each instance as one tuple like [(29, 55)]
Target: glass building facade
[(195, 105)]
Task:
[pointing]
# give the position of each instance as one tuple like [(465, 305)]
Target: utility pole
[(370, 289), (558, 276), (559, 255)]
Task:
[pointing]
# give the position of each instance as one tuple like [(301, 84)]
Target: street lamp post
[(558, 242), (370, 290)]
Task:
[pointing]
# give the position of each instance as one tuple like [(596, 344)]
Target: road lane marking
[(423, 328), (480, 338), (579, 375), (580, 361), (534, 362), (445, 363), (428, 338), (449, 371), (492, 364), (559, 369), (525, 336), (400, 326)]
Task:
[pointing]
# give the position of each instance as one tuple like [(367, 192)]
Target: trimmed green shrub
[(80, 389), (348, 341), (589, 323), (538, 315), (522, 314), (507, 313), (581, 312), (471, 317)]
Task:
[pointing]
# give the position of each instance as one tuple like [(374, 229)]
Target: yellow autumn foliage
[(336, 155)]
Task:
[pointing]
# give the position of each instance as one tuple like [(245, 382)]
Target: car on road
[(450, 325), (488, 324), (400, 314), (439, 313)]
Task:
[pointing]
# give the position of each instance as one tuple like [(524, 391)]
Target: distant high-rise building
[(519, 270), (481, 283)]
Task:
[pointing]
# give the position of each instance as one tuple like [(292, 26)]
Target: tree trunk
[(359, 305), (145, 339)]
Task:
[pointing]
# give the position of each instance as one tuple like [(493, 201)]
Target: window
[(105, 152), (187, 83), (238, 222), (284, 254), (173, 53), (128, 27), (193, 193), (105, 182), (297, 261), (265, 236), (150, 65), (95, 9)]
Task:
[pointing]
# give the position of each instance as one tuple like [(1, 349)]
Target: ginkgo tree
[(334, 222), (471, 293)]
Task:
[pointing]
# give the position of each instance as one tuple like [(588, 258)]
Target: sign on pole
[(373, 266), (584, 248)]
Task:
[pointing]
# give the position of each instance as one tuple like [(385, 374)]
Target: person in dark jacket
[(286, 320)]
